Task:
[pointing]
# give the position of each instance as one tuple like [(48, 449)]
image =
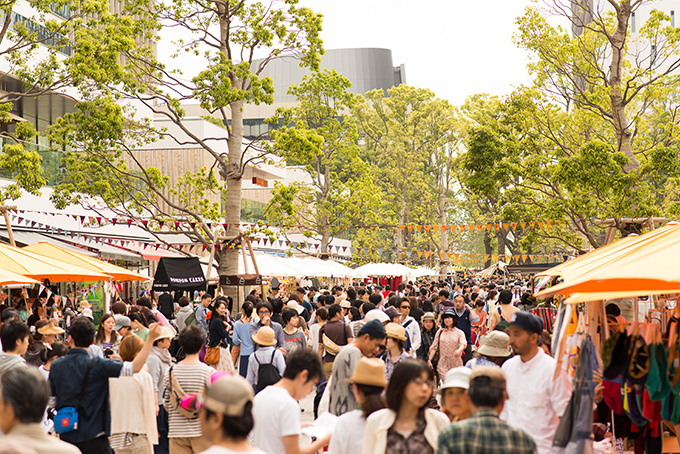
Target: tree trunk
[(487, 248), (618, 43), (228, 259), (400, 233), (501, 242), (324, 218), (444, 242)]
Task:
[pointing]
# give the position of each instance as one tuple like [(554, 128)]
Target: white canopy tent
[(500, 268), (391, 269), (271, 265)]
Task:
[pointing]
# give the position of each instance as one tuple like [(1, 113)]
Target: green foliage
[(340, 190), (114, 68)]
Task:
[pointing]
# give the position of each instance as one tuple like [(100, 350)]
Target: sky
[(456, 48)]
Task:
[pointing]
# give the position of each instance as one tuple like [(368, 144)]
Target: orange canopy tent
[(74, 258), (9, 278), (27, 263), (632, 266)]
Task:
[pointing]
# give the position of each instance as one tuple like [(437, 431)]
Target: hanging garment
[(657, 379), (638, 361), (617, 360), (575, 432)]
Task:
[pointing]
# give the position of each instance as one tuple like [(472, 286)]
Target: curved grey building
[(367, 69)]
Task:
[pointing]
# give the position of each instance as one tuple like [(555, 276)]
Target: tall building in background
[(366, 68), (43, 111)]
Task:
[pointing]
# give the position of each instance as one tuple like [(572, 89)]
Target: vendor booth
[(175, 274), (621, 302)]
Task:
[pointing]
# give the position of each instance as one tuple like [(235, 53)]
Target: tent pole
[(252, 257), (4, 208), (210, 262), (245, 262)]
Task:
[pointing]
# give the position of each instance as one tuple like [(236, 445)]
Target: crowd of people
[(441, 366)]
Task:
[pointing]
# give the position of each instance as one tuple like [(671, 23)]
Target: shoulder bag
[(66, 418)]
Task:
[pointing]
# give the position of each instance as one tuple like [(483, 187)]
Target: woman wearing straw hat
[(494, 350), (368, 384), (394, 353)]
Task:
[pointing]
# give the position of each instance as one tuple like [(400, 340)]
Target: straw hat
[(495, 343), (369, 372), (429, 316), (50, 328), (395, 331), (265, 336), (294, 305), (84, 304), (345, 304)]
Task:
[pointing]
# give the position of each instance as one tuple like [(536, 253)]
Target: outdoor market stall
[(634, 357)]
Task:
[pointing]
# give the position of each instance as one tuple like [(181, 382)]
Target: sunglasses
[(406, 307)]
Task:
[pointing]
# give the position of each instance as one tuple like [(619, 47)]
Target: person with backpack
[(267, 364), (189, 376)]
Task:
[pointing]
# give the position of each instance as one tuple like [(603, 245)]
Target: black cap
[(526, 321), (374, 329)]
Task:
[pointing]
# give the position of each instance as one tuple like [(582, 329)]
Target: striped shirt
[(193, 378)]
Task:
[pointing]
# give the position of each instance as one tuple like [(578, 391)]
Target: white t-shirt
[(276, 415), (348, 435), (223, 450)]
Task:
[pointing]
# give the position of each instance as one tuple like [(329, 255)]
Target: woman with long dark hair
[(219, 336), (107, 338), (242, 342), (449, 345), (368, 383), (406, 425)]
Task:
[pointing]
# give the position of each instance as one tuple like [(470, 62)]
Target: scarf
[(163, 354)]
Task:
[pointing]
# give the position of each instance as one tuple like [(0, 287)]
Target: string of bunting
[(343, 251), (176, 224)]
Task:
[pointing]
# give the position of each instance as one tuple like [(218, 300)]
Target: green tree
[(224, 36), (411, 138), (341, 191), (36, 48)]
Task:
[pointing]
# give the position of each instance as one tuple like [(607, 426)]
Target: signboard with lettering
[(179, 274)]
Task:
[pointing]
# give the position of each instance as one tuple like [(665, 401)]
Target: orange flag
[(410, 228), (418, 227)]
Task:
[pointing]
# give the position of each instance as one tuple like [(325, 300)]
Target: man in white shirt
[(536, 401), (276, 411)]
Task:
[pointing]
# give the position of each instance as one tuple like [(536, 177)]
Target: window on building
[(673, 19), (652, 54)]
